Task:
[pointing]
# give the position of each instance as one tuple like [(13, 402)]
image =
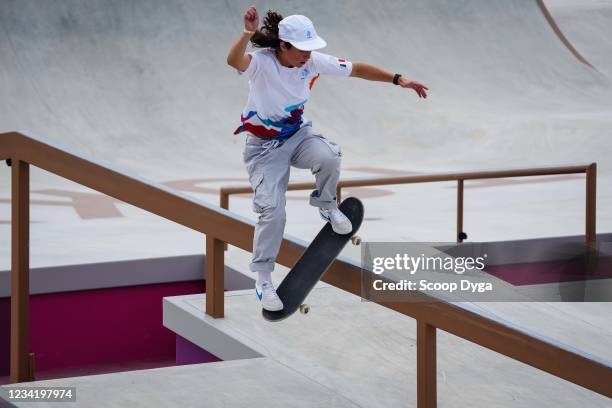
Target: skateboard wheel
[(356, 239), (304, 308)]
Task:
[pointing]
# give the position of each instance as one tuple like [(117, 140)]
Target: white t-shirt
[(278, 94)]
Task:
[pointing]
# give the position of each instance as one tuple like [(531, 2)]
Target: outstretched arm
[(372, 73), (236, 56)]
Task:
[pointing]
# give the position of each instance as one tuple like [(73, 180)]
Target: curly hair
[(267, 35)]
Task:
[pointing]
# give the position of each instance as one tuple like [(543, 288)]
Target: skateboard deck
[(313, 263)]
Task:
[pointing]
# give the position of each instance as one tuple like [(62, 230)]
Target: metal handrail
[(589, 169), (223, 226)]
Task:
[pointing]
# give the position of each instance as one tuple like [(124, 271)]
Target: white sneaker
[(340, 224), (268, 297)]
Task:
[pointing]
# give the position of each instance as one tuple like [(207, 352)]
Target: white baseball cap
[(300, 32)]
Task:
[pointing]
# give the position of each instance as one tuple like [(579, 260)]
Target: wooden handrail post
[(31, 367), (224, 203), (214, 277), (338, 193), (21, 369), (460, 210), (426, 365), (591, 202), (223, 199)]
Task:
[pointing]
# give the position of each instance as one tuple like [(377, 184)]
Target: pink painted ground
[(551, 272), (94, 331)]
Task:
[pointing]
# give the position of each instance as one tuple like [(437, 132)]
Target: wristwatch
[(396, 79)]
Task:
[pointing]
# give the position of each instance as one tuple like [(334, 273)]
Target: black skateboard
[(313, 263)]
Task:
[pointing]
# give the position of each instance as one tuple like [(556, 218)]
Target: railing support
[(223, 199), (214, 277), (224, 203), (21, 360), (561, 361), (589, 169), (460, 211), (426, 365), (591, 202)]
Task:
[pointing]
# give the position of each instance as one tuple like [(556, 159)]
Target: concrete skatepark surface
[(586, 24), (145, 87)]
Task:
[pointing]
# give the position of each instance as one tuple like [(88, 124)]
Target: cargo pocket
[(334, 147), (261, 197)]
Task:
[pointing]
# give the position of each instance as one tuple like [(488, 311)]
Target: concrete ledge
[(182, 316), (367, 353), (122, 273)]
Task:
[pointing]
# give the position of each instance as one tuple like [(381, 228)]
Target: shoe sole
[(274, 310)]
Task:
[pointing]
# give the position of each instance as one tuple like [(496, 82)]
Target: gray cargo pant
[(268, 163)]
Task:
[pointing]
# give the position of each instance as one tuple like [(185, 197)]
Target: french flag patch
[(342, 62)]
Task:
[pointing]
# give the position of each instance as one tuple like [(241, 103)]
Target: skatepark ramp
[(586, 23), (221, 226), (138, 83)]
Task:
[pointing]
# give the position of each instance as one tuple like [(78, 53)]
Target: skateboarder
[(281, 75)]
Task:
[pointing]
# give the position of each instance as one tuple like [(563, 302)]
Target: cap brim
[(310, 45)]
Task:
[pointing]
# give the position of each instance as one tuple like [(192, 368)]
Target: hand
[(251, 19), (419, 88)]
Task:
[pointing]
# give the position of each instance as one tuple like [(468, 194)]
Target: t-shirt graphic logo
[(276, 113), (308, 35)]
